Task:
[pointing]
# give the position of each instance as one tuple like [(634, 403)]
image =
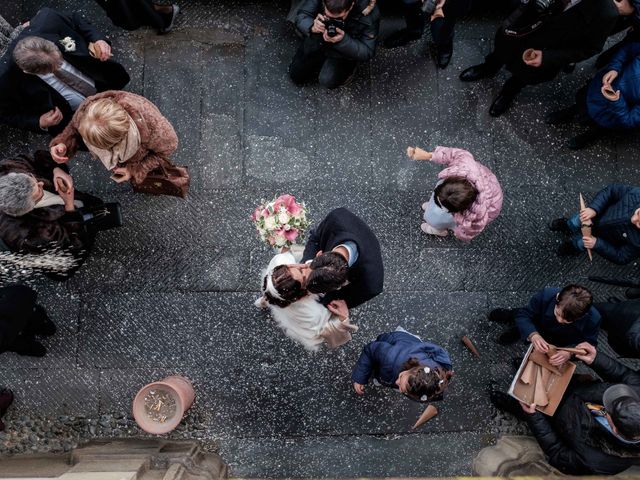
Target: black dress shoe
[(477, 72), (561, 116), (505, 316), (509, 337), (170, 19), (501, 104), (559, 225), (506, 403), (632, 293), (400, 38), (567, 248), (443, 57)]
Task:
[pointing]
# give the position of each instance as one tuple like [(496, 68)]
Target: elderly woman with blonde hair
[(125, 131)]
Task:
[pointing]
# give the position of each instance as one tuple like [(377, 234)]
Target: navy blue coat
[(384, 357), (538, 317), (624, 112), (618, 240)]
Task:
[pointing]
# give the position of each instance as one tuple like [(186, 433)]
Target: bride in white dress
[(304, 320)]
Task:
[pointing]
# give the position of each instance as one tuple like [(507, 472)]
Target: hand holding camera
[(318, 24), (334, 30)]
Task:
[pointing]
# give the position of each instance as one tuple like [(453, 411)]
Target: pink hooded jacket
[(488, 203)]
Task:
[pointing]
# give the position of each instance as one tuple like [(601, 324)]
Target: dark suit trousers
[(622, 324), (311, 62)]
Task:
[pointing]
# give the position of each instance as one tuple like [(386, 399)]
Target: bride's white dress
[(307, 321)]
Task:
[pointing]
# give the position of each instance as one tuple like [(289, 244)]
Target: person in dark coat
[(615, 234), (621, 320), (49, 70), (36, 215), (559, 317), (6, 399), (596, 428), (21, 319), (350, 253), (333, 59), (401, 360), (133, 14), (442, 19), (561, 37), (610, 101)]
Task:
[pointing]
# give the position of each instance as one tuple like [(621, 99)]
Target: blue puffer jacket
[(624, 112), (384, 357), (618, 240)]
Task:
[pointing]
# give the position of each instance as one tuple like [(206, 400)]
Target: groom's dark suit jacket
[(367, 274), (24, 98)]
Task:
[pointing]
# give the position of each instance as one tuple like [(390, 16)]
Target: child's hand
[(589, 241), (559, 358), (539, 343), (530, 409), (587, 214), (358, 388)]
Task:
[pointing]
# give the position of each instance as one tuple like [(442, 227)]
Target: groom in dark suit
[(49, 70), (343, 249)]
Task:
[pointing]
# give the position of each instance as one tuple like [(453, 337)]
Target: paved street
[(173, 290)]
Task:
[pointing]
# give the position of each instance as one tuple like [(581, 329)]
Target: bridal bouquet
[(281, 221)]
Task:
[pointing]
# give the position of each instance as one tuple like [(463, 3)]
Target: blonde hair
[(104, 124)]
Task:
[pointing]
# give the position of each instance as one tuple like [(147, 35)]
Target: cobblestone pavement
[(172, 291)]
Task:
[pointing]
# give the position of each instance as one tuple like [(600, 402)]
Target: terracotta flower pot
[(159, 406)]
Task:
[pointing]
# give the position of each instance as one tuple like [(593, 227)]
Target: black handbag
[(103, 217)]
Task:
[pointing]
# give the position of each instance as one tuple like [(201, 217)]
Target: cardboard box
[(537, 381)]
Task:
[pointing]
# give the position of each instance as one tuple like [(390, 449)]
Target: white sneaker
[(428, 229), (425, 205)]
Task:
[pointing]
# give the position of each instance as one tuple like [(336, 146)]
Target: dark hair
[(338, 6), (328, 273), (424, 386), (574, 301), (456, 194), (288, 288), (626, 417)]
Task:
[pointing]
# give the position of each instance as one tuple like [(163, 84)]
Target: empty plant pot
[(159, 406)]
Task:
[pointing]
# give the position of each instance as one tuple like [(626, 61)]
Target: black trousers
[(442, 29), (21, 318), (622, 324), (311, 61)]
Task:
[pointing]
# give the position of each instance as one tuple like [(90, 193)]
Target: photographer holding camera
[(338, 35)]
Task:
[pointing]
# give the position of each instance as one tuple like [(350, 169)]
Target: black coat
[(361, 31), (572, 440), (24, 97), (47, 227), (621, 320), (366, 276), (567, 37), (16, 309)]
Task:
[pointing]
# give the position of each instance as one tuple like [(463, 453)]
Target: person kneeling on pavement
[(338, 35), (596, 428), (614, 214), (21, 319), (562, 318), (41, 212)]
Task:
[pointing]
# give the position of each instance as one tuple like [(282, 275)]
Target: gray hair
[(16, 194), (37, 55)]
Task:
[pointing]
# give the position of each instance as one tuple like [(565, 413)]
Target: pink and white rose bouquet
[(281, 221)]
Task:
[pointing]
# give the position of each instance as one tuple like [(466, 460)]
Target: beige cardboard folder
[(541, 383)]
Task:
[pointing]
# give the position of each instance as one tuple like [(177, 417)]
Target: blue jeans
[(575, 225)]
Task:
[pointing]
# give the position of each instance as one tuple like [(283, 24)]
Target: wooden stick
[(469, 344), (585, 229), (575, 351), (427, 415)]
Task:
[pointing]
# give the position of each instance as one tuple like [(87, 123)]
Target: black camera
[(331, 24)]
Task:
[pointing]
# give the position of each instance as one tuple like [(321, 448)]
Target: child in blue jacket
[(401, 360)]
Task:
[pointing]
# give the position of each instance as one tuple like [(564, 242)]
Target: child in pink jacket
[(466, 199)]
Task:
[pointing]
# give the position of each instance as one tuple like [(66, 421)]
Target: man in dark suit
[(49, 70), (342, 248), (571, 32), (621, 320), (21, 319)]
